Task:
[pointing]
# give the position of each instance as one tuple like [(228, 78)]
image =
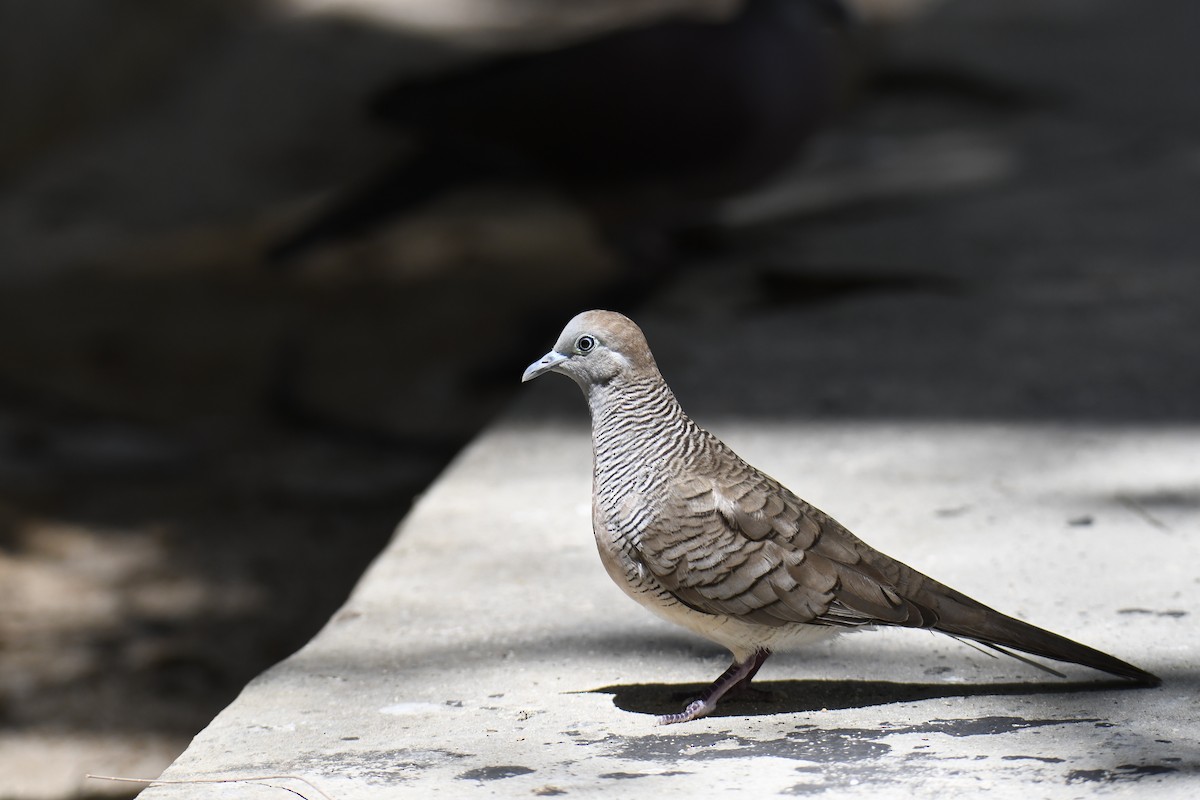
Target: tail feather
[(987, 649), (995, 630), (949, 611)]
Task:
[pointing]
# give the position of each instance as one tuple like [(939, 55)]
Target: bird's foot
[(738, 676), (695, 710)]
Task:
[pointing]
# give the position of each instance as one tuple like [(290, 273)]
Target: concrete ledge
[(486, 653)]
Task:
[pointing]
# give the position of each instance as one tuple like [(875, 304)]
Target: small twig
[(248, 779)]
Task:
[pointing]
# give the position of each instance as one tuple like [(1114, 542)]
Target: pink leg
[(738, 675)]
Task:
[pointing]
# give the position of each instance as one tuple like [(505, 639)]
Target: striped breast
[(641, 440)]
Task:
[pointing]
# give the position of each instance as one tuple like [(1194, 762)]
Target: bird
[(703, 539), (644, 128)]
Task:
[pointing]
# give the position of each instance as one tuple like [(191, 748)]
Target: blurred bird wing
[(748, 548)]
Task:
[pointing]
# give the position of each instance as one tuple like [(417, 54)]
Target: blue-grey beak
[(543, 364)]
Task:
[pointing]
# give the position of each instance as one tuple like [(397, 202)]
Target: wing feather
[(747, 547)]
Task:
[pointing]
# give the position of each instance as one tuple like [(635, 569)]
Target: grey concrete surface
[(994, 381)]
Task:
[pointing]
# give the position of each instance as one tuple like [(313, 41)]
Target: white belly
[(738, 636)]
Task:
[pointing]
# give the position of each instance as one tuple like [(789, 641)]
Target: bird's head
[(596, 348)]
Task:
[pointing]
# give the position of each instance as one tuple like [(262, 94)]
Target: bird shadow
[(798, 696)]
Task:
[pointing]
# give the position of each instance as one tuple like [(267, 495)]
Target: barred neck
[(636, 422)]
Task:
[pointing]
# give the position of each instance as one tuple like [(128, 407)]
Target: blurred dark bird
[(646, 129)]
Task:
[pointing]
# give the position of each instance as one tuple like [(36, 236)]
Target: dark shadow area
[(804, 696)]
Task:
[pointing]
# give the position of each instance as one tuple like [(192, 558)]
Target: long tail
[(966, 618)]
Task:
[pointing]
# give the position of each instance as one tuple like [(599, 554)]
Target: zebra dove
[(703, 539)]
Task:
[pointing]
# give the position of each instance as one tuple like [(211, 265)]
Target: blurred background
[(265, 267)]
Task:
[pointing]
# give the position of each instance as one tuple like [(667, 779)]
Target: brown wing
[(742, 545)]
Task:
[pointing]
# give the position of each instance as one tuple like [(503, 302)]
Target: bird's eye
[(584, 344)]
